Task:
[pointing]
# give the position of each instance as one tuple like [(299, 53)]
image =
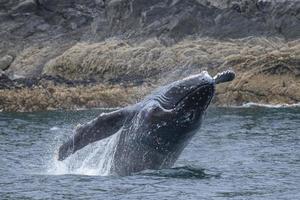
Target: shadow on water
[(182, 172)]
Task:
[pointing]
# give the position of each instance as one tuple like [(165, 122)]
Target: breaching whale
[(154, 131)]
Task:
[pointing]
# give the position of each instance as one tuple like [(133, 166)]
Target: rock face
[(138, 43), (6, 82), (5, 61), (39, 30)]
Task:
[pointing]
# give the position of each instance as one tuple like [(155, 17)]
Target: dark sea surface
[(239, 153)]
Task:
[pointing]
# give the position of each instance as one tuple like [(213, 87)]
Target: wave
[(184, 172), (54, 128), (98, 108), (253, 105)]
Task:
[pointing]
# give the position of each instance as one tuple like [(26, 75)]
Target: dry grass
[(268, 71), (60, 97)]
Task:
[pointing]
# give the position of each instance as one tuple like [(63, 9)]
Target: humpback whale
[(154, 131)]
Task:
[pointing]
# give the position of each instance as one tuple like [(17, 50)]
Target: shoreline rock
[(83, 47), (62, 97), (268, 72), (53, 97)]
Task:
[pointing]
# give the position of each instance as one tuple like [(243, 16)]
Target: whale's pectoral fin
[(225, 76), (102, 127)]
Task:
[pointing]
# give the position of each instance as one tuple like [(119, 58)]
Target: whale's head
[(186, 99), (176, 110), (191, 93)]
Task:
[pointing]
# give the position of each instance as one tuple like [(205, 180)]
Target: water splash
[(94, 160)]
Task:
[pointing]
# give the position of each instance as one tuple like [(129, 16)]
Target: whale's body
[(155, 131)]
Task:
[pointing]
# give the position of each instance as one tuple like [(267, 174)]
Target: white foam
[(252, 104), (54, 128), (98, 108)]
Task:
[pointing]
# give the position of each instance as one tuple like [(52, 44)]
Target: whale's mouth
[(199, 96)]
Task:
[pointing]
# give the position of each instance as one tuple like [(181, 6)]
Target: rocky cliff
[(71, 54)]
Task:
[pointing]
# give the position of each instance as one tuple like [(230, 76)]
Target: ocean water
[(239, 153)]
